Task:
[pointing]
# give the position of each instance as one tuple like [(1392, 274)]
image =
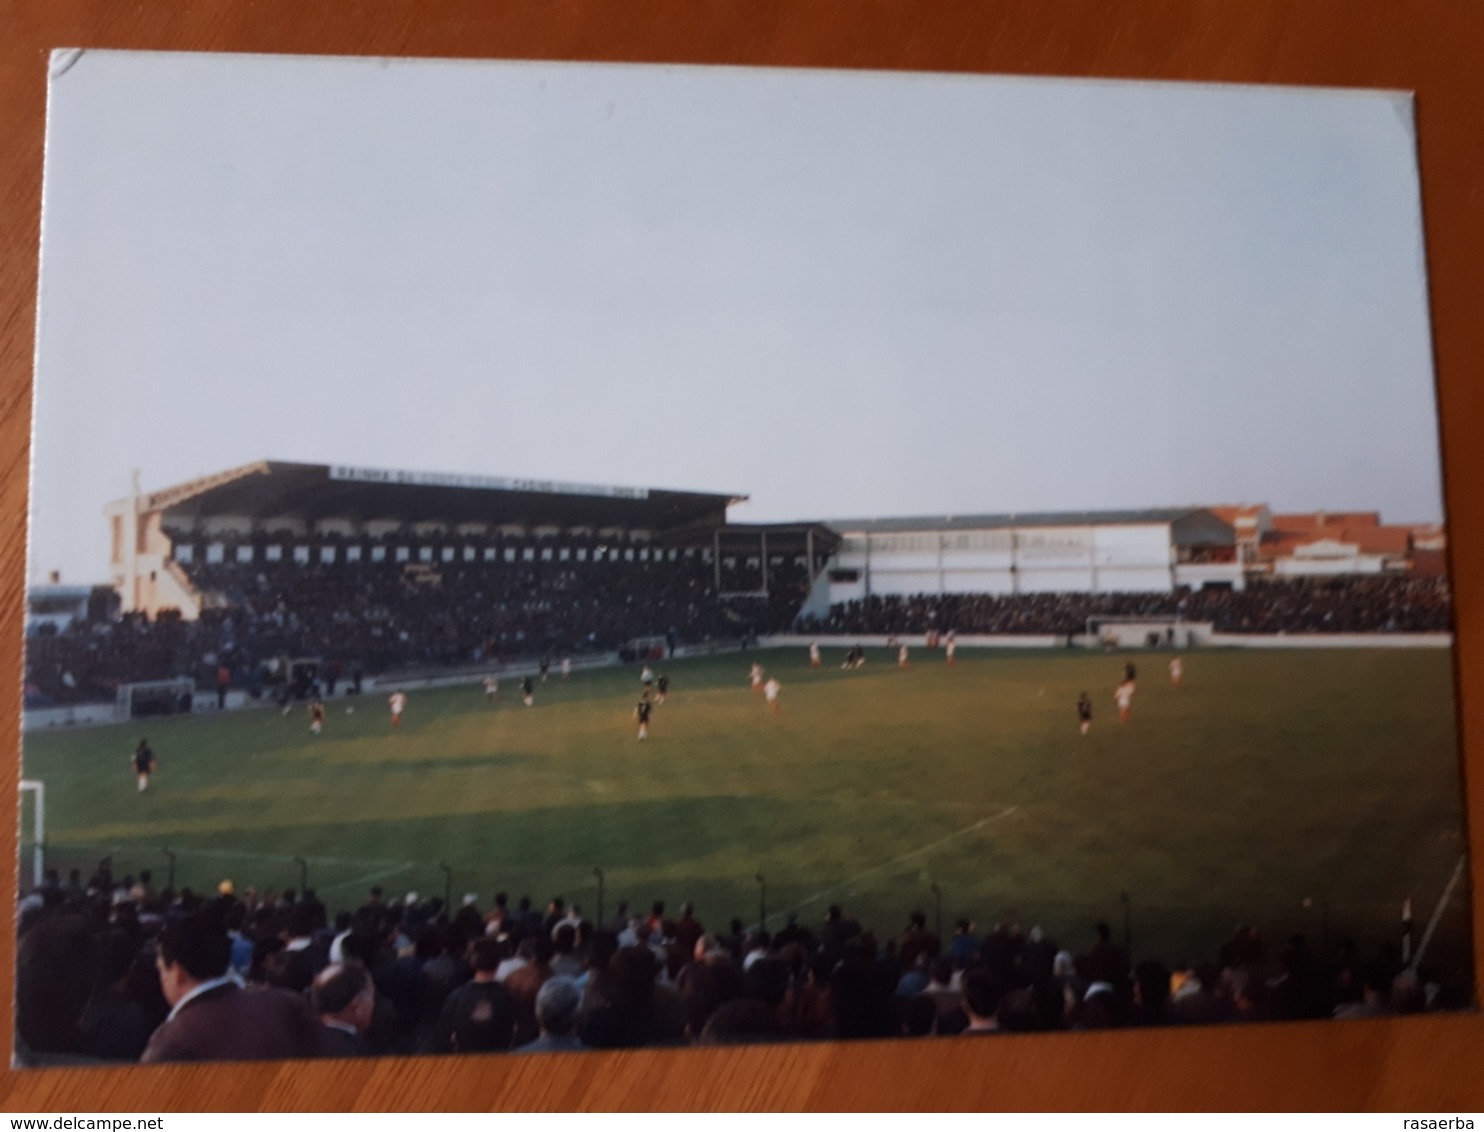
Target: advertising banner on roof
[(486, 483)]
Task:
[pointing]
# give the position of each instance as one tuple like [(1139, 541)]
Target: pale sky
[(842, 294)]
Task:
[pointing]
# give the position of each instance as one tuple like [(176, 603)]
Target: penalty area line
[(1437, 913), (895, 861)]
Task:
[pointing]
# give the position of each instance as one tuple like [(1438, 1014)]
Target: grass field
[(1269, 779)]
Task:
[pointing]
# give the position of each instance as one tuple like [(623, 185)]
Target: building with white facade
[(1152, 551)]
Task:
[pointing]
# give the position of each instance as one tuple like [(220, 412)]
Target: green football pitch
[(1303, 791)]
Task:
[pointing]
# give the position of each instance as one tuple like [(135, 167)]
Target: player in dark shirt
[(1084, 712), (528, 691), (143, 761), (545, 667), (1129, 673), (641, 713), (663, 687)]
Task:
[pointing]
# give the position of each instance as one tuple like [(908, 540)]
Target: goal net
[(1138, 632), (155, 697), (644, 648)]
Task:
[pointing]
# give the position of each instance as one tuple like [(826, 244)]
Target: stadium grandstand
[(377, 570), (374, 571)]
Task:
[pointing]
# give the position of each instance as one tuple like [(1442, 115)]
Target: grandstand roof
[(1190, 526), (321, 491)]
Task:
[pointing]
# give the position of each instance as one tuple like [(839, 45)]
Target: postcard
[(549, 556)]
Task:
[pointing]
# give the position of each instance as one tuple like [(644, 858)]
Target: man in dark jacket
[(345, 1000), (212, 1018)]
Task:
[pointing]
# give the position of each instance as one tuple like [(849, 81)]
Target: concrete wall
[(1205, 637)]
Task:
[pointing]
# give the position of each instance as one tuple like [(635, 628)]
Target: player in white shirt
[(770, 690), (756, 676), (814, 654), (1177, 671), (398, 703), (1124, 696), (646, 677), (902, 657), (566, 667), (950, 646), (491, 686)]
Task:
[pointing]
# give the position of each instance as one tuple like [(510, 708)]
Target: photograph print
[(550, 556)]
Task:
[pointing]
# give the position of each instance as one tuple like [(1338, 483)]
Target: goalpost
[(155, 697), (645, 648), (1132, 631), (38, 830)]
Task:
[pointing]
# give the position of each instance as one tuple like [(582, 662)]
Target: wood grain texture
[(1430, 46)]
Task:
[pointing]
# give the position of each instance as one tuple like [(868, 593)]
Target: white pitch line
[(928, 848), (1437, 913), (384, 874)]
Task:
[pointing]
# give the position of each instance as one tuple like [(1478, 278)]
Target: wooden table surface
[(1434, 47)]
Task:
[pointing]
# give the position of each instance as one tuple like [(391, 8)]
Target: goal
[(33, 851), (1128, 632), (155, 697), (643, 648)]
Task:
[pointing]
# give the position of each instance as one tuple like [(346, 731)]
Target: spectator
[(525, 983), (981, 1003), (211, 1018), (564, 960), (345, 1000), (557, 1004), (481, 1014)]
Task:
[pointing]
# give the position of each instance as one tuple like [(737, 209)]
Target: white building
[(1151, 551), (56, 606)]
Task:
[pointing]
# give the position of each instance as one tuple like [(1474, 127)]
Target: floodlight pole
[(170, 878), (762, 902), (938, 910), (447, 888), (303, 874), (597, 872)]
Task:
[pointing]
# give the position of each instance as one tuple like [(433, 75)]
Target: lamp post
[(597, 872), (170, 878), (447, 888), (938, 910), (762, 902), (303, 875)]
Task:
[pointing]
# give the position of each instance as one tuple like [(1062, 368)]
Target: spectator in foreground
[(345, 999), (212, 1018), (481, 1014), (557, 1004), (981, 1003)]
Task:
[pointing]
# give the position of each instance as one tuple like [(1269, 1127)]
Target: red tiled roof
[(1366, 539), (1309, 521)]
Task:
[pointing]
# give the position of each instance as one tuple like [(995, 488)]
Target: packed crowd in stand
[(110, 969), (382, 616), (1367, 604)]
